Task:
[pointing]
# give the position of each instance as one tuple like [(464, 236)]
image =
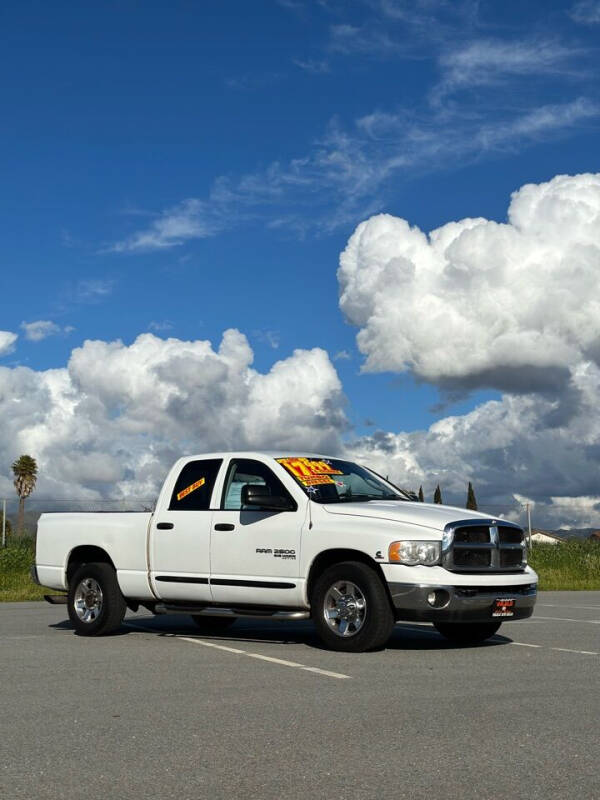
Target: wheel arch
[(326, 558), (85, 554)]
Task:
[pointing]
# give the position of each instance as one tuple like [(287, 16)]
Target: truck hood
[(426, 515)]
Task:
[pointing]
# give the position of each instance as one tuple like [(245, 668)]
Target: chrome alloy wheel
[(88, 600), (345, 608)]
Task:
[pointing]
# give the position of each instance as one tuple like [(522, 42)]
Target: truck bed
[(122, 534)]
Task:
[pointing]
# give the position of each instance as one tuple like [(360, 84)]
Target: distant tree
[(421, 495), (471, 501), (437, 495), (25, 470)]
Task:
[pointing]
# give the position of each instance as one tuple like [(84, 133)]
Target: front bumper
[(459, 603)]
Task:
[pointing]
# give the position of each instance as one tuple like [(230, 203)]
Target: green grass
[(15, 582), (573, 565), (570, 565)]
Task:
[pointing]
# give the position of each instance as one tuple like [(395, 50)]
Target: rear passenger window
[(194, 485)]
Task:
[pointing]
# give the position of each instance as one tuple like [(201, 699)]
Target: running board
[(204, 611), (56, 599)]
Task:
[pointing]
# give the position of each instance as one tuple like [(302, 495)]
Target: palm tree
[(25, 469)]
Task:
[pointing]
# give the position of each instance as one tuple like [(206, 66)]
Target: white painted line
[(269, 658), (326, 672), (566, 619), (579, 652), (236, 651), (424, 629), (562, 605), (524, 644), (207, 644)]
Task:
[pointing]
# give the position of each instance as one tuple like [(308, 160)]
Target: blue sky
[(186, 167)]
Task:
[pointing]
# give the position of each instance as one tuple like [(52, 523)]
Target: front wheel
[(351, 609), (95, 603), (467, 632)]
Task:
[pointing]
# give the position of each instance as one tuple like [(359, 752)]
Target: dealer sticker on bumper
[(503, 607)]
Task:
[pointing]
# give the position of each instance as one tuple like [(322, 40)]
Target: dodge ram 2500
[(280, 536)]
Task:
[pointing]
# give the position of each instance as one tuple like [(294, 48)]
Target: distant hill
[(574, 533)]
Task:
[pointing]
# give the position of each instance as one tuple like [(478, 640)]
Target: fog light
[(438, 598)]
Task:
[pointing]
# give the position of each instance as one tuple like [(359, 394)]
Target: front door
[(180, 536), (255, 554)]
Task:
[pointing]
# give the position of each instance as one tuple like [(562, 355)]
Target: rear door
[(180, 535), (254, 553)]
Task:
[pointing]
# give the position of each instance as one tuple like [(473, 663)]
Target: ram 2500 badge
[(289, 536)]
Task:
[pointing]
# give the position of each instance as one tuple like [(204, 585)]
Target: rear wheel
[(351, 609), (467, 632), (213, 624), (95, 603)]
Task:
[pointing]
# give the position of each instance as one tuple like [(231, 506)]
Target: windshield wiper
[(361, 498)]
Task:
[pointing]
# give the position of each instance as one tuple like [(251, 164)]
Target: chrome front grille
[(484, 545)]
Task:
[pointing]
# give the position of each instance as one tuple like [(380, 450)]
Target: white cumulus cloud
[(517, 449), (112, 421), (478, 303)]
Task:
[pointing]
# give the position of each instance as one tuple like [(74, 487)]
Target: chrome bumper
[(459, 603)]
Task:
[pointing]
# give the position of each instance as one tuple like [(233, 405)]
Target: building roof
[(548, 534)]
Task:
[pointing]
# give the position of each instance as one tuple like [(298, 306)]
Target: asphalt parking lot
[(159, 711)]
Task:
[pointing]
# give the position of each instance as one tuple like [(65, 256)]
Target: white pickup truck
[(281, 536)]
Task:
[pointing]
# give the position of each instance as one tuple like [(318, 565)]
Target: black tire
[(374, 628), (108, 616), (468, 632), (213, 624)]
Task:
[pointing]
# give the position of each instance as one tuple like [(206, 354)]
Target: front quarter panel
[(371, 537)]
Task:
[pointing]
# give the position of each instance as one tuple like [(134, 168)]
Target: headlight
[(415, 553)]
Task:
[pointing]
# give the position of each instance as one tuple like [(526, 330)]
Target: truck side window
[(244, 470), (194, 485)]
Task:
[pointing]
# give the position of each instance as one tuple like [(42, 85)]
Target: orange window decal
[(316, 480), (310, 471), (184, 492)]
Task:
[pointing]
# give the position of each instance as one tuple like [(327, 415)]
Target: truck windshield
[(331, 480)]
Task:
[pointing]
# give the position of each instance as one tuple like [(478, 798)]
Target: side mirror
[(260, 497)]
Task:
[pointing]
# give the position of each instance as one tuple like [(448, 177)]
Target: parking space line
[(207, 644), (518, 644), (562, 605), (237, 651), (421, 629), (567, 619), (525, 644)]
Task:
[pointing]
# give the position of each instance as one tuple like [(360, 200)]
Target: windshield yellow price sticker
[(310, 471), (190, 489), (316, 480)]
